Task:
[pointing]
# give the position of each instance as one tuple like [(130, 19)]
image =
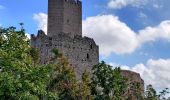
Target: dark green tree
[(63, 81), (163, 93), (84, 92), (107, 84), (137, 91), (20, 79), (151, 93)]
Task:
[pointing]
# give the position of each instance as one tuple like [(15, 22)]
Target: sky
[(132, 34)]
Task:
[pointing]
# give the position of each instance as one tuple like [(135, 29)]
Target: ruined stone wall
[(133, 77), (65, 16), (81, 52)]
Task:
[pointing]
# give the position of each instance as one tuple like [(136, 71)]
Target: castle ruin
[(134, 80), (65, 34)]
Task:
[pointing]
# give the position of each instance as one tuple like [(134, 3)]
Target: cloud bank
[(113, 35)]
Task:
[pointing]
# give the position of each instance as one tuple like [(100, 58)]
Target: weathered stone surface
[(133, 77), (64, 16), (81, 52)]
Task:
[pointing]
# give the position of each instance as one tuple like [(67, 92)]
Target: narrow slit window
[(91, 46), (87, 56)]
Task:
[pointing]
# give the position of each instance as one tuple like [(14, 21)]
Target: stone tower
[(64, 16), (65, 34)]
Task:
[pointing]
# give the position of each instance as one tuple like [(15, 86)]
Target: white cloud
[(113, 35), (155, 72), (162, 31), (117, 4), (41, 18)]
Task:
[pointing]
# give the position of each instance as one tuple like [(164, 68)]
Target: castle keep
[(65, 16), (65, 34)]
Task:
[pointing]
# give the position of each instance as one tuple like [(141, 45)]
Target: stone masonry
[(133, 77), (64, 16), (65, 34)]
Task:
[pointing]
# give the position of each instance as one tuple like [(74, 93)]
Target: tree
[(151, 93), (19, 77), (107, 84), (22, 77), (137, 90), (63, 81), (163, 93), (84, 92)]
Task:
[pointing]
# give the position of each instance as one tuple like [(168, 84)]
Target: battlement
[(76, 2), (63, 36)]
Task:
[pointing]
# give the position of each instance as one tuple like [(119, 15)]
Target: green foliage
[(107, 84), (84, 92), (64, 82), (19, 78), (137, 90), (34, 54), (57, 54)]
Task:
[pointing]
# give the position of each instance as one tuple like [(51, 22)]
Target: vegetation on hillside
[(23, 78)]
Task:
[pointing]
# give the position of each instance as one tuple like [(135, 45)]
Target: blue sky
[(134, 34)]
